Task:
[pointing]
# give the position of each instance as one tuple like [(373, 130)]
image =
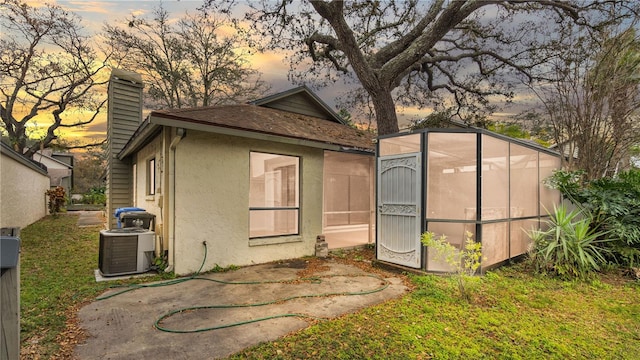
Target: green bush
[(95, 196), (613, 204), (570, 248)]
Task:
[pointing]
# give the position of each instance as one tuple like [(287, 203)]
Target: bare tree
[(197, 61), (415, 52), (593, 101), (48, 72)]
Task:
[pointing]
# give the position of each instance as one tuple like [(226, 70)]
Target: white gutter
[(171, 191)]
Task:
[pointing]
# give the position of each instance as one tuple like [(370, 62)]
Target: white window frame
[(273, 188), (151, 176)]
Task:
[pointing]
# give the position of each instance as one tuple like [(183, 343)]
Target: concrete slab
[(100, 278), (90, 218), (122, 327)]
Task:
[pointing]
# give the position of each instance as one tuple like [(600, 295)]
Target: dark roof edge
[(52, 159), (472, 129), (190, 124), (6, 149), (142, 136)]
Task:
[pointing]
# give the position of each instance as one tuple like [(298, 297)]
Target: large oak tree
[(414, 52)]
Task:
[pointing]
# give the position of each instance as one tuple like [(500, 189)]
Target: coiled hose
[(317, 279)]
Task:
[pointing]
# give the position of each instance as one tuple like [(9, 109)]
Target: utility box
[(119, 211), (139, 219), (9, 250)]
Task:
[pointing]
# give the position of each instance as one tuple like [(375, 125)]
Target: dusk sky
[(94, 14), (271, 65)]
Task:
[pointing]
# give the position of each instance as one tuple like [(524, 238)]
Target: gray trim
[(143, 135), (127, 76), (52, 159), (32, 164)]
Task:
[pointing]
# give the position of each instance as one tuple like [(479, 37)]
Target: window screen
[(274, 195)]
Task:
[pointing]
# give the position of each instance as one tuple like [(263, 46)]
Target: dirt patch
[(72, 335), (364, 259), (292, 264)]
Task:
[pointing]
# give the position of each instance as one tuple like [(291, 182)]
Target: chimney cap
[(126, 75)]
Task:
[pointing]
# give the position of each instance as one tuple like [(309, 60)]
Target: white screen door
[(399, 195)]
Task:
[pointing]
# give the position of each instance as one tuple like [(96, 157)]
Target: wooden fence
[(10, 305)]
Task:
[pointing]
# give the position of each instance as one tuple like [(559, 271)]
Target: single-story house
[(253, 182), (23, 184)]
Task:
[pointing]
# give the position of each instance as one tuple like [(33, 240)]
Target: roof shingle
[(274, 122)]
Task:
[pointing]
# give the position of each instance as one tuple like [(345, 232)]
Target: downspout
[(180, 133)]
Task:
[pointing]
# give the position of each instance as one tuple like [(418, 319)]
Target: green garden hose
[(316, 279), (158, 325)]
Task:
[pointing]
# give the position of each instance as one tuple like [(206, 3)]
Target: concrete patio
[(122, 326)]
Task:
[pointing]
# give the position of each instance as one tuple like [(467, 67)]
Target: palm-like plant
[(570, 247)]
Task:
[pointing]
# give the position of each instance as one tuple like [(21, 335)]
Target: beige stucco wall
[(22, 194), (148, 202), (212, 203)]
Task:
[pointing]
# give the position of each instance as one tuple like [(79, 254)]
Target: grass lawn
[(57, 262), (512, 314)]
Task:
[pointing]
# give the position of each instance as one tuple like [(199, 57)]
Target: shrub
[(465, 262), (613, 205), (57, 199), (95, 196), (570, 248)]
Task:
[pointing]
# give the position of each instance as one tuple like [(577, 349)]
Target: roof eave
[(142, 137), (168, 120), (6, 149), (52, 159)]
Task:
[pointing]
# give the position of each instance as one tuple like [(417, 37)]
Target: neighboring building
[(23, 184), (256, 182), (59, 167)]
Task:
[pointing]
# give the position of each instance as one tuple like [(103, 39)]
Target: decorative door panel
[(399, 199)]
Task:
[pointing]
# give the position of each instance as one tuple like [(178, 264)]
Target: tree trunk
[(385, 112)]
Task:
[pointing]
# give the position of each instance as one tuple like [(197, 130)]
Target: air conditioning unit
[(126, 251)]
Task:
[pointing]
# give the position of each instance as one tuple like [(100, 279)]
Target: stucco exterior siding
[(22, 193), (212, 203), (150, 203), (142, 199), (205, 189)]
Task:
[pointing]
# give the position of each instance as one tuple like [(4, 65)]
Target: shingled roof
[(294, 116), (259, 119)]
